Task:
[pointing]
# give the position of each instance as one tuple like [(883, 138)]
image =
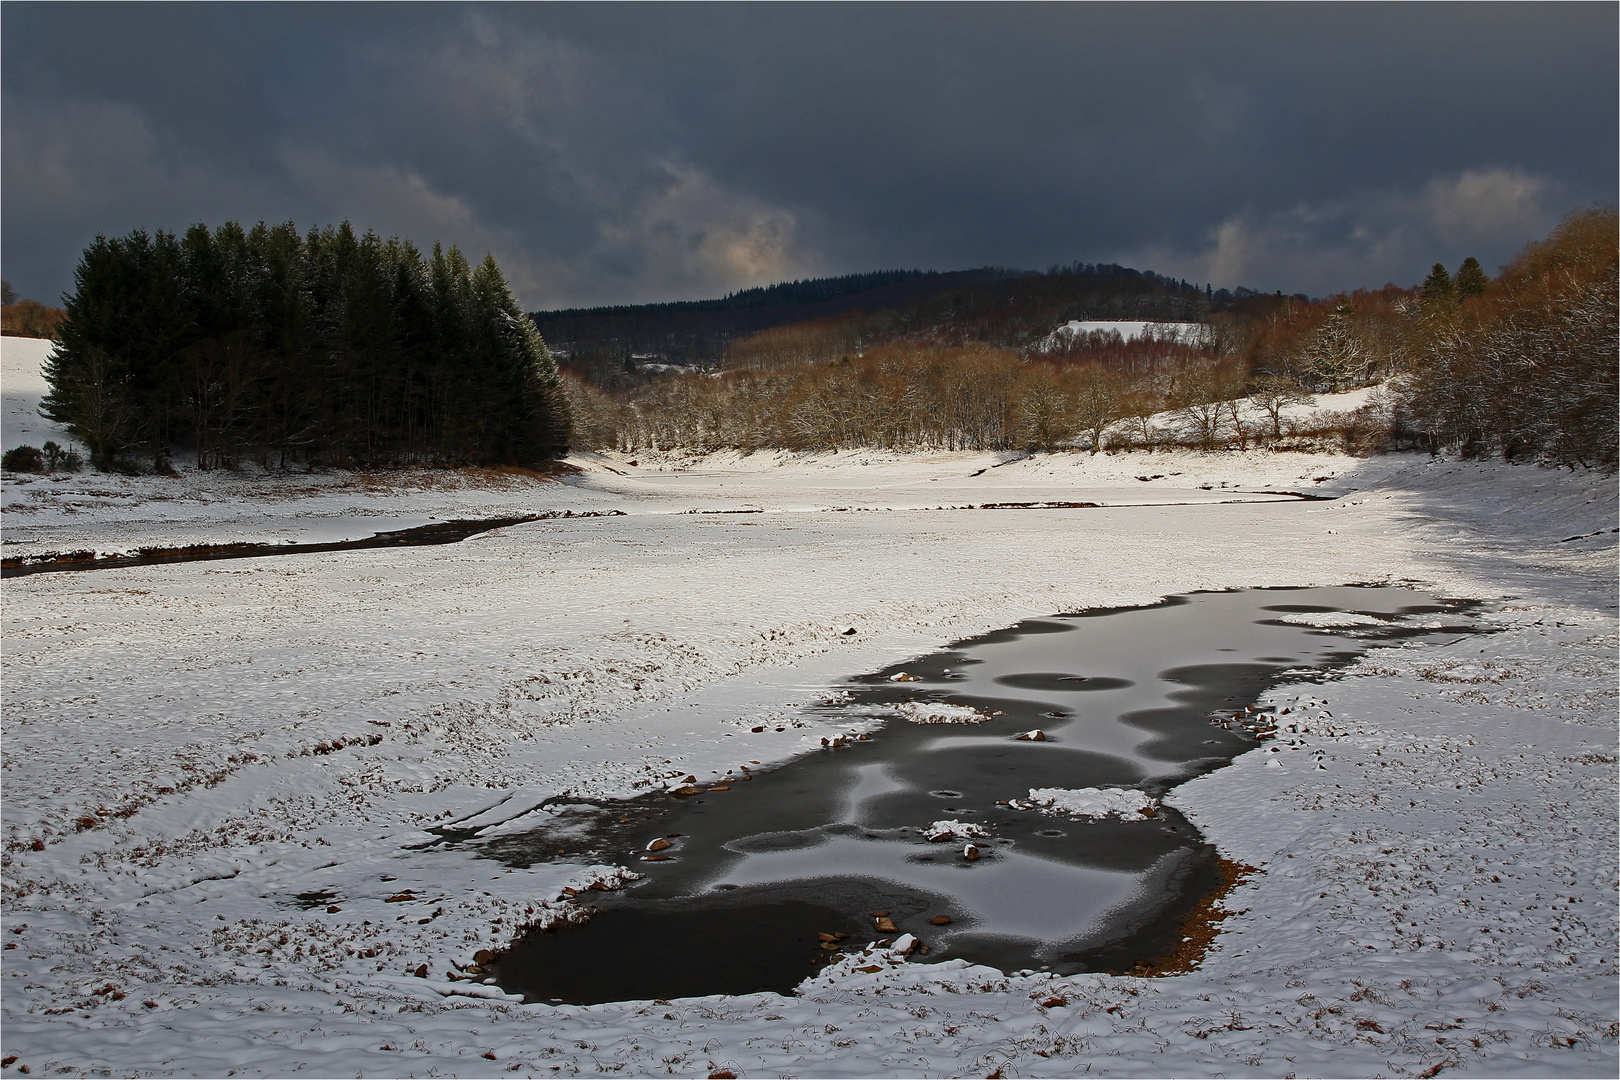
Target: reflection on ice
[(1004, 893)]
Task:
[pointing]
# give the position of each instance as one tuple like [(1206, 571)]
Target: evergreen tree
[(1437, 286), (323, 347), (1470, 280)]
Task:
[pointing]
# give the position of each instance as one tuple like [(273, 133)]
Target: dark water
[(1125, 697)]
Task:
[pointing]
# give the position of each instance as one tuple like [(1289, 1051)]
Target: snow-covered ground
[(218, 776), (1128, 330)]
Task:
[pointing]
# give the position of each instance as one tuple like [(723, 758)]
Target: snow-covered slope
[(216, 775), (22, 387)]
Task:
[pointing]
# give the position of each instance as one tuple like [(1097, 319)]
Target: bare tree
[(1044, 410), (1337, 355), (1099, 400), (1274, 393)]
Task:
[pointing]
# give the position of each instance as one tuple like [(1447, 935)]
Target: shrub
[(23, 459), (61, 458)]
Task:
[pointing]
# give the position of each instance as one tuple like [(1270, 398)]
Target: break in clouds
[(626, 154)]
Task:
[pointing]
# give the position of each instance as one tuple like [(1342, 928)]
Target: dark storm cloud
[(622, 153)]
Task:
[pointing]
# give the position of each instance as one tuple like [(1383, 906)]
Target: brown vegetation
[(1524, 365), (1530, 367), (1202, 926), (30, 318)]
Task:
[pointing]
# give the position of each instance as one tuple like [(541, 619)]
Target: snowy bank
[(222, 780)]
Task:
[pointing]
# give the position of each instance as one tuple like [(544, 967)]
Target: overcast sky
[(621, 153)]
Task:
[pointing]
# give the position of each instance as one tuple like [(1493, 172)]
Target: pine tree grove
[(280, 348)]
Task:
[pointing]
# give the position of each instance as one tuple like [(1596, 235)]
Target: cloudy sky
[(624, 153)]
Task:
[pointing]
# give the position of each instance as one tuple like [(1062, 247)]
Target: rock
[(848, 632), (879, 914), (824, 936), (686, 790), (690, 780), (721, 787), (1033, 736), (483, 958), (904, 944), (420, 972), (757, 730), (655, 858), (659, 845), (885, 925), (871, 969), (904, 676), (400, 898), (332, 909), (941, 920), (970, 853)]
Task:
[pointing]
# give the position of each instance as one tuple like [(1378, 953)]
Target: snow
[(955, 830), (22, 387), (203, 760), (1091, 803), (939, 712), (1184, 332)]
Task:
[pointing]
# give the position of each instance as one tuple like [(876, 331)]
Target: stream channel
[(756, 871)]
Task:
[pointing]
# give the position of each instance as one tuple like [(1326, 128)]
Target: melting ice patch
[(1332, 619)]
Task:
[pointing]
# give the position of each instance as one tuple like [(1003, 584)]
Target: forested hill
[(988, 304), (697, 331)]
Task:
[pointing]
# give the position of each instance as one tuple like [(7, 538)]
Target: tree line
[(1523, 365), (21, 317), (269, 345)]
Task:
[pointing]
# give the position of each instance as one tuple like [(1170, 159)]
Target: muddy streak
[(440, 532)]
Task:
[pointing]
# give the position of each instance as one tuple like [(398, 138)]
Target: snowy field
[(216, 775)]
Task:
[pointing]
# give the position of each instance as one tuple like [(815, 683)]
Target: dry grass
[(1203, 924)]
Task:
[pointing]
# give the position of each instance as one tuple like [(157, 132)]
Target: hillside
[(697, 331), (1006, 307)]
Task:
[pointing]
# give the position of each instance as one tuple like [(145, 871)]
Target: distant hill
[(1006, 307), (698, 331)]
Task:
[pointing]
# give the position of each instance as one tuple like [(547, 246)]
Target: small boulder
[(659, 845), (885, 925), (483, 958), (971, 852), (941, 920), (1033, 736)]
